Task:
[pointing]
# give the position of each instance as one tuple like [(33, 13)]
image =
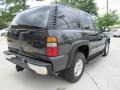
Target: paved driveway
[(103, 73)]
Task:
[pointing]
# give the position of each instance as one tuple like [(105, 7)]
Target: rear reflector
[(52, 49), (51, 44)]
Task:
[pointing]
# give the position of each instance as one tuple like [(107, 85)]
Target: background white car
[(116, 33), (3, 32)]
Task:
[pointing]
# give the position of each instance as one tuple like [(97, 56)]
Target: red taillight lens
[(52, 49)]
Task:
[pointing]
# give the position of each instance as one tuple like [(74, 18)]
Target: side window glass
[(69, 19), (61, 24), (75, 25), (62, 21), (75, 21), (86, 22)]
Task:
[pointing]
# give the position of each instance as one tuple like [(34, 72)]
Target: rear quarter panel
[(67, 39)]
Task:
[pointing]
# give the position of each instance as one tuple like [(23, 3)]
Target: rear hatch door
[(28, 32)]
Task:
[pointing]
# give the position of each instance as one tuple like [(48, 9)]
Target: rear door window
[(86, 21), (62, 23), (67, 19)]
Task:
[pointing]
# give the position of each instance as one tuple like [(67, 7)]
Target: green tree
[(86, 5), (107, 20), (9, 12)]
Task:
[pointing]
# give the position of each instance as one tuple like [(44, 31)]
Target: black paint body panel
[(28, 36)]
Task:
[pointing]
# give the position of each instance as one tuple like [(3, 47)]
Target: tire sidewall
[(77, 56), (106, 52)]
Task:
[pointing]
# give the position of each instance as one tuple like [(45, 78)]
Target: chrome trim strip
[(38, 69), (98, 47)]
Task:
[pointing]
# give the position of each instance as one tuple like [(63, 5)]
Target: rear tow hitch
[(19, 68)]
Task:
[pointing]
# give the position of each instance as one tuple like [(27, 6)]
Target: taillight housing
[(52, 48)]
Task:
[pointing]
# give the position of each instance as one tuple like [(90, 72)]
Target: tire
[(74, 73), (106, 50)]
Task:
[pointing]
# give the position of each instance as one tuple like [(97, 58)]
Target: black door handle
[(92, 34)]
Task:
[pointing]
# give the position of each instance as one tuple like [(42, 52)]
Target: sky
[(113, 5), (34, 3)]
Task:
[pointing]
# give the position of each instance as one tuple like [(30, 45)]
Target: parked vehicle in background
[(116, 33), (55, 39), (3, 32)]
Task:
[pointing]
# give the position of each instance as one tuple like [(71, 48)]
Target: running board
[(93, 57)]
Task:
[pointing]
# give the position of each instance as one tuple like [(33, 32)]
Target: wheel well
[(84, 49)]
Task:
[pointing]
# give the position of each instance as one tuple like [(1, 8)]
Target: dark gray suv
[(55, 39)]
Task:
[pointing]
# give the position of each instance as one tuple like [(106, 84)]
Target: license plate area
[(22, 60)]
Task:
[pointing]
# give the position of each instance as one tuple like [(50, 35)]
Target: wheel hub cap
[(78, 68)]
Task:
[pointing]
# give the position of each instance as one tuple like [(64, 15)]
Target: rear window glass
[(33, 17)]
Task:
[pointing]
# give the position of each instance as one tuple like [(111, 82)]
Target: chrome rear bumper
[(40, 67)]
